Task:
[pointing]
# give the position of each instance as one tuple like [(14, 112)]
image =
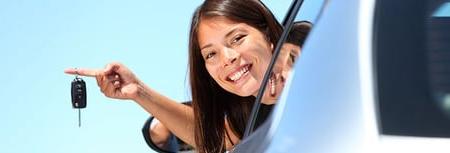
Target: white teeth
[(239, 74)]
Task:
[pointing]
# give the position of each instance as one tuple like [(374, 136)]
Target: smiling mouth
[(238, 74)]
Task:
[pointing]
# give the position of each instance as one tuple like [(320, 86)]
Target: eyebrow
[(236, 28), (206, 46), (232, 31)]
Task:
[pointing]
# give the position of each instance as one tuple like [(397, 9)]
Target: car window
[(413, 68), (438, 47), (289, 52)]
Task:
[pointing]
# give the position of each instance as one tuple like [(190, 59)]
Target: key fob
[(78, 93)]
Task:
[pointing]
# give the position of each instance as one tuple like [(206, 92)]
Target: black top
[(263, 114)]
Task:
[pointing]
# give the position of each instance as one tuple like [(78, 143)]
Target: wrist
[(142, 93)]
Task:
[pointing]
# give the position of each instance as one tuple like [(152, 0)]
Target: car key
[(78, 92)]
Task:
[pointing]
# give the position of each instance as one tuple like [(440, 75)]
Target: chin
[(244, 94), (247, 92)]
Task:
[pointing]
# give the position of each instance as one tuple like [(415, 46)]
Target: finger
[(116, 78), (110, 90), (82, 72), (116, 84), (99, 80), (113, 77), (110, 68)]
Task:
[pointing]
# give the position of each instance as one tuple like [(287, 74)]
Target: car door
[(373, 78)]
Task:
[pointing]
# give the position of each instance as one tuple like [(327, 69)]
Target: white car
[(373, 76)]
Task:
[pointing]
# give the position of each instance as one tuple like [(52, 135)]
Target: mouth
[(239, 73)]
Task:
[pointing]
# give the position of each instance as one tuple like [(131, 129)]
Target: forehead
[(215, 28), (217, 23)]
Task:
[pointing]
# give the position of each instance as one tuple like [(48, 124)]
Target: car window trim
[(287, 25)]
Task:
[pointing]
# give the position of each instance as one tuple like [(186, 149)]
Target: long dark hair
[(211, 103)]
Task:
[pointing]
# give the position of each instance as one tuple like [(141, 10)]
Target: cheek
[(212, 70), (264, 49), (263, 55), (259, 54), (259, 49)]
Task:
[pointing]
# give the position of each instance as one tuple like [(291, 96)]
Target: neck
[(267, 99)]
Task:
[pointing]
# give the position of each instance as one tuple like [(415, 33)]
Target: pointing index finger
[(82, 72)]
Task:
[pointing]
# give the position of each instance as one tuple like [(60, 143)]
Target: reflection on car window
[(438, 49), (443, 10), (289, 53)]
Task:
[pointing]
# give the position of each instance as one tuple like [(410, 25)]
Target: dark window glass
[(412, 55)]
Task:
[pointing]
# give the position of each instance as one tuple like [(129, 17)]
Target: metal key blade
[(79, 117)]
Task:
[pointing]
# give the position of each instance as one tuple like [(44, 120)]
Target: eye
[(210, 55), (237, 39), (292, 56)]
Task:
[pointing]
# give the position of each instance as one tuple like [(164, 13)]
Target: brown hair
[(211, 103), (299, 32)]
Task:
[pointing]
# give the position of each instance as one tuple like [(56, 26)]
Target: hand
[(115, 80)]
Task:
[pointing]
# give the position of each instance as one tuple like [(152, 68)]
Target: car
[(374, 76)]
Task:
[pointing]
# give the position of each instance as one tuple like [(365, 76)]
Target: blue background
[(39, 39)]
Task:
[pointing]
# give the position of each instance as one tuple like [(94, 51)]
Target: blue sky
[(39, 39)]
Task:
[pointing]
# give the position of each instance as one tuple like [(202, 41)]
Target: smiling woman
[(231, 43), (230, 39), (38, 39), (236, 54)]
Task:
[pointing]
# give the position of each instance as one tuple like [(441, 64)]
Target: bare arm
[(158, 133), (118, 82), (176, 117)]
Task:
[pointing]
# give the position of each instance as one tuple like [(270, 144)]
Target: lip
[(236, 72)]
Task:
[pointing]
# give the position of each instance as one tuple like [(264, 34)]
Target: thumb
[(110, 68)]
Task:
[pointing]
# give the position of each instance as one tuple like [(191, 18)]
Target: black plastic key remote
[(78, 93)]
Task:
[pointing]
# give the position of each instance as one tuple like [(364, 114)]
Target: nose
[(229, 56)]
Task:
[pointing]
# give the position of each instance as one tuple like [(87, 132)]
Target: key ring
[(77, 74)]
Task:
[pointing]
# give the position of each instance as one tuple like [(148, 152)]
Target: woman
[(230, 47), (158, 135), (233, 41)]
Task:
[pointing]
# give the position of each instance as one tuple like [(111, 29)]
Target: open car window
[(298, 23)]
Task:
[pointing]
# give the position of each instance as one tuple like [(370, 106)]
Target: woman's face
[(289, 52), (236, 54)]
